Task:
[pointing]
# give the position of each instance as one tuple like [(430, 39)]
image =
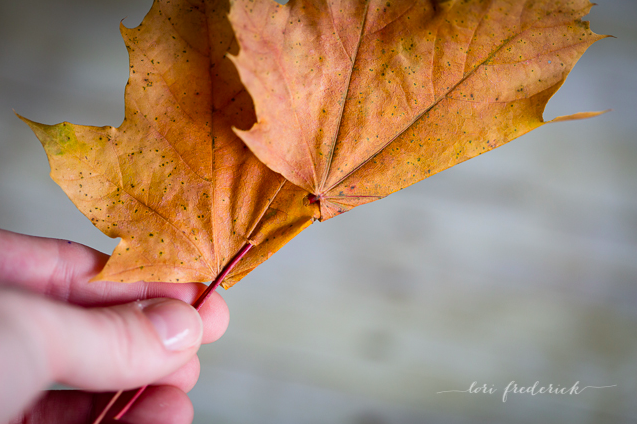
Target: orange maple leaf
[(173, 181), (358, 99), (354, 100)]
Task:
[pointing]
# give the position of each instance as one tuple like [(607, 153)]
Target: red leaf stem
[(197, 305)]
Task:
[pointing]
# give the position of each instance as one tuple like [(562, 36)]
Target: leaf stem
[(197, 305), (107, 407), (130, 402), (226, 270), (313, 198)]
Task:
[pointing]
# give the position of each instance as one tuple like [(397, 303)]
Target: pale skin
[(55, 326)]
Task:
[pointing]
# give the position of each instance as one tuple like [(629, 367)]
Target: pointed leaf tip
[(578, 116)]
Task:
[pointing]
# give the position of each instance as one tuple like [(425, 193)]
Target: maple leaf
[(358, 99), (354, 100), (173, 181)]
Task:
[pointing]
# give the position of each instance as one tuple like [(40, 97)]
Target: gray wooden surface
[(517, 265)]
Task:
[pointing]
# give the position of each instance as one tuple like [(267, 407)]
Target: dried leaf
[(356, 100), (173, 181)]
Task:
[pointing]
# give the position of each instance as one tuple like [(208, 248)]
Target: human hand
[(57, 327)]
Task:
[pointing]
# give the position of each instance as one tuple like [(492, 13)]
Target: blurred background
[(519, 265)]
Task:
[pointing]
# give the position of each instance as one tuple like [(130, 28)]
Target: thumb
[(100, 349)]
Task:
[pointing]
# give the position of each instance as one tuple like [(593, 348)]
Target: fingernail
[(178, 324)]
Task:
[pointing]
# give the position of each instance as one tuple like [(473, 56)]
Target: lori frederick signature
[(535, 389)]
